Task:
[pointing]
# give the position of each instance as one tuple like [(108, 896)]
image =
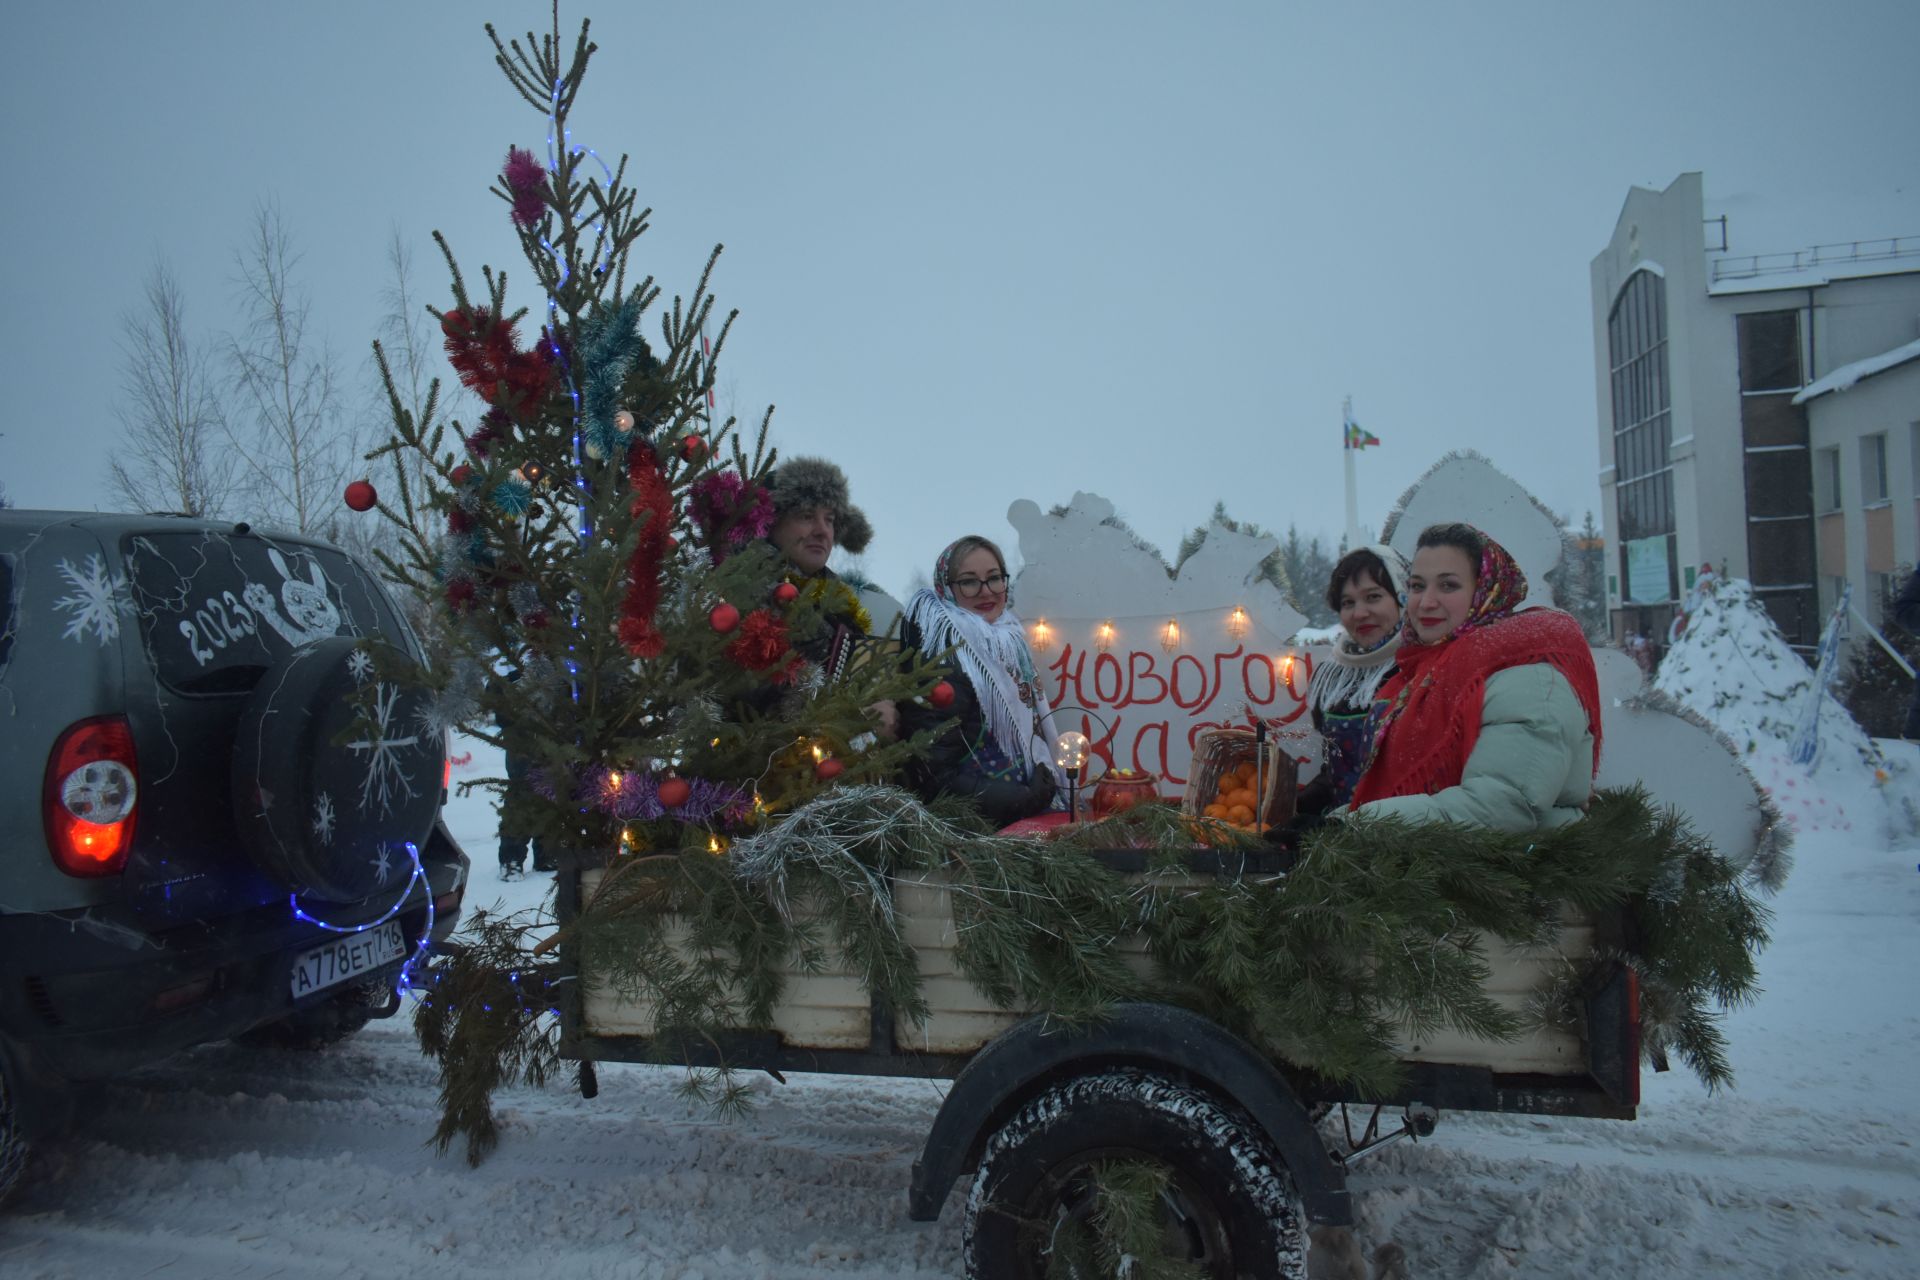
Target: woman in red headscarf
[(1493, 718)]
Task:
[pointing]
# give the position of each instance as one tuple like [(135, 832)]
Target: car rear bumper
[(88, 997)]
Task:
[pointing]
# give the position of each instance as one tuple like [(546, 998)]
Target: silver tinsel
[(829, 833), (458, 702), (524, 597)]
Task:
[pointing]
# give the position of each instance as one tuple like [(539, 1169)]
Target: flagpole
[(1347, 451)]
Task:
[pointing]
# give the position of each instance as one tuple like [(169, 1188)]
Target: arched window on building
[(1642, 432)]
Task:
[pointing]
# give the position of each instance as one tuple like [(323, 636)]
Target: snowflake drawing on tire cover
[(386, 781), (96, 602), (323, 818)]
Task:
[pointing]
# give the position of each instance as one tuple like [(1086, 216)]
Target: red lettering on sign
[(1068, 667), (1153, 758), (1199, 699), (1258, 662), (1136, 678), (1107, 664)]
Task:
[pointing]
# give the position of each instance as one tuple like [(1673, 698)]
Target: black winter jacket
[(948, 767)]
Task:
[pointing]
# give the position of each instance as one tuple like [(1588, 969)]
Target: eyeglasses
[(971, 587)]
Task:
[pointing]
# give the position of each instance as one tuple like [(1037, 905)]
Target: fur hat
[(799, 483)]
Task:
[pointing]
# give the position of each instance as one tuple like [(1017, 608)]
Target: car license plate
[(347, 958)]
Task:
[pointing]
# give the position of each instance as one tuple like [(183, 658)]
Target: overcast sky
[(981, 251)]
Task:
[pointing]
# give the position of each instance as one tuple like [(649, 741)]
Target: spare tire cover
[(334, 771)]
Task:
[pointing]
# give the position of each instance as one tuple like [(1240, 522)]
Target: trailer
[(1035, 1106)]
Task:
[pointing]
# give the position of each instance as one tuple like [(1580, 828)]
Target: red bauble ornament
[(461, 474), (723, 617), (829, 769), (786, 593), (360, 496), (693, 448), (674, 792), (941, 696)]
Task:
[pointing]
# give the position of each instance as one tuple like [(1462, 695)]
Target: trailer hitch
[(1416, 1122)]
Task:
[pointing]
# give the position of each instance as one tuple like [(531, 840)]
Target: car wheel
[(335, 770), (1228, 1207), (14, 1148)]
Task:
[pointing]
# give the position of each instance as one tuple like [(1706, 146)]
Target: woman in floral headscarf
[(991, 744), (1493, 717)]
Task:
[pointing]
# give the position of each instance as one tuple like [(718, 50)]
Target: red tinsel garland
[(762, 642), (485, 353), (653, 500)]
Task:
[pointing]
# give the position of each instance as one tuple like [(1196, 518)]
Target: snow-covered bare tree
[(286, 420), (172, 454)]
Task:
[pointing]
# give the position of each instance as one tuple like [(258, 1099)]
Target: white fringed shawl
[(995, 658)]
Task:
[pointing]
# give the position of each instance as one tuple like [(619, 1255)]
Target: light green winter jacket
[(1531, 768)]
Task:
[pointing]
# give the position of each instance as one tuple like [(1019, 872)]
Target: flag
[(1357, 438)]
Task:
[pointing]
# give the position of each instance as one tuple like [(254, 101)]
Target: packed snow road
[(234, 1161)]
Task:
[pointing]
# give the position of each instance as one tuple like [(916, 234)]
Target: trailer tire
[(1230, 1204)]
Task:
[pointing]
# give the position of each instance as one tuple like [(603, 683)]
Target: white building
[(1758, 386)]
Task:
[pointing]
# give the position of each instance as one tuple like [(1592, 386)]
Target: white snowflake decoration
[(386, 782), (359, 665), (97, 601), (381, 864), (323, 818)]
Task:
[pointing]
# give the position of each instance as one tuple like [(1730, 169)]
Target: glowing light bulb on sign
[(1170, 635), (1103, 636), (1238, 622), (1042, 636)]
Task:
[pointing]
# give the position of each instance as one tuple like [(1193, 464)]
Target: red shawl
[(1433, 702)]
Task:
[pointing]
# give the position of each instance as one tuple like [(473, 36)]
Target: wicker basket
[(1219, 751)]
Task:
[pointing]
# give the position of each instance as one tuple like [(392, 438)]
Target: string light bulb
[(1103, 636), (1170, 635), (1072, 749), (1238, 622), (1042, 636)]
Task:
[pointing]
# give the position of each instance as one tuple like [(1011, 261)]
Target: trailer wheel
[(1229, 1207)]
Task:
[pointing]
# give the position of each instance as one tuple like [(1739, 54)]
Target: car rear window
[(216, 610)]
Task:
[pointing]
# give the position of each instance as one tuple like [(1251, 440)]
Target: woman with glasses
[(991, 744)]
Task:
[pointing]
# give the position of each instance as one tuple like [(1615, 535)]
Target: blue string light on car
[(405, 980)]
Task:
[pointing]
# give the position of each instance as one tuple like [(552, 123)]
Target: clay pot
[(1122, 789)]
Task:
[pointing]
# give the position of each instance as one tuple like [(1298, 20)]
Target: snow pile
[(1846, 375), (1732, 667)]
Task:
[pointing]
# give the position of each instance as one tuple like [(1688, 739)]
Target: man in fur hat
[(813, 514)]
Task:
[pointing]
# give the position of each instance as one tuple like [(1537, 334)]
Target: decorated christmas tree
[(608, 607), (597, 542)]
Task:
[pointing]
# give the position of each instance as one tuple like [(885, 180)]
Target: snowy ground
[(242, 1162)]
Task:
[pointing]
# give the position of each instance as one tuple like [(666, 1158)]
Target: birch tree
[(287, 424), (173, 453)]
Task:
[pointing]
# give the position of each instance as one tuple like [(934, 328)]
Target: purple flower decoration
[(729, 514), (524, 178)]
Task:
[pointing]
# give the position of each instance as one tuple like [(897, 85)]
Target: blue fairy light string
[(560, 139), (426, 933)]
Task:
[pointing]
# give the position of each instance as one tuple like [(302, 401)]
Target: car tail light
[(91, 793)]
